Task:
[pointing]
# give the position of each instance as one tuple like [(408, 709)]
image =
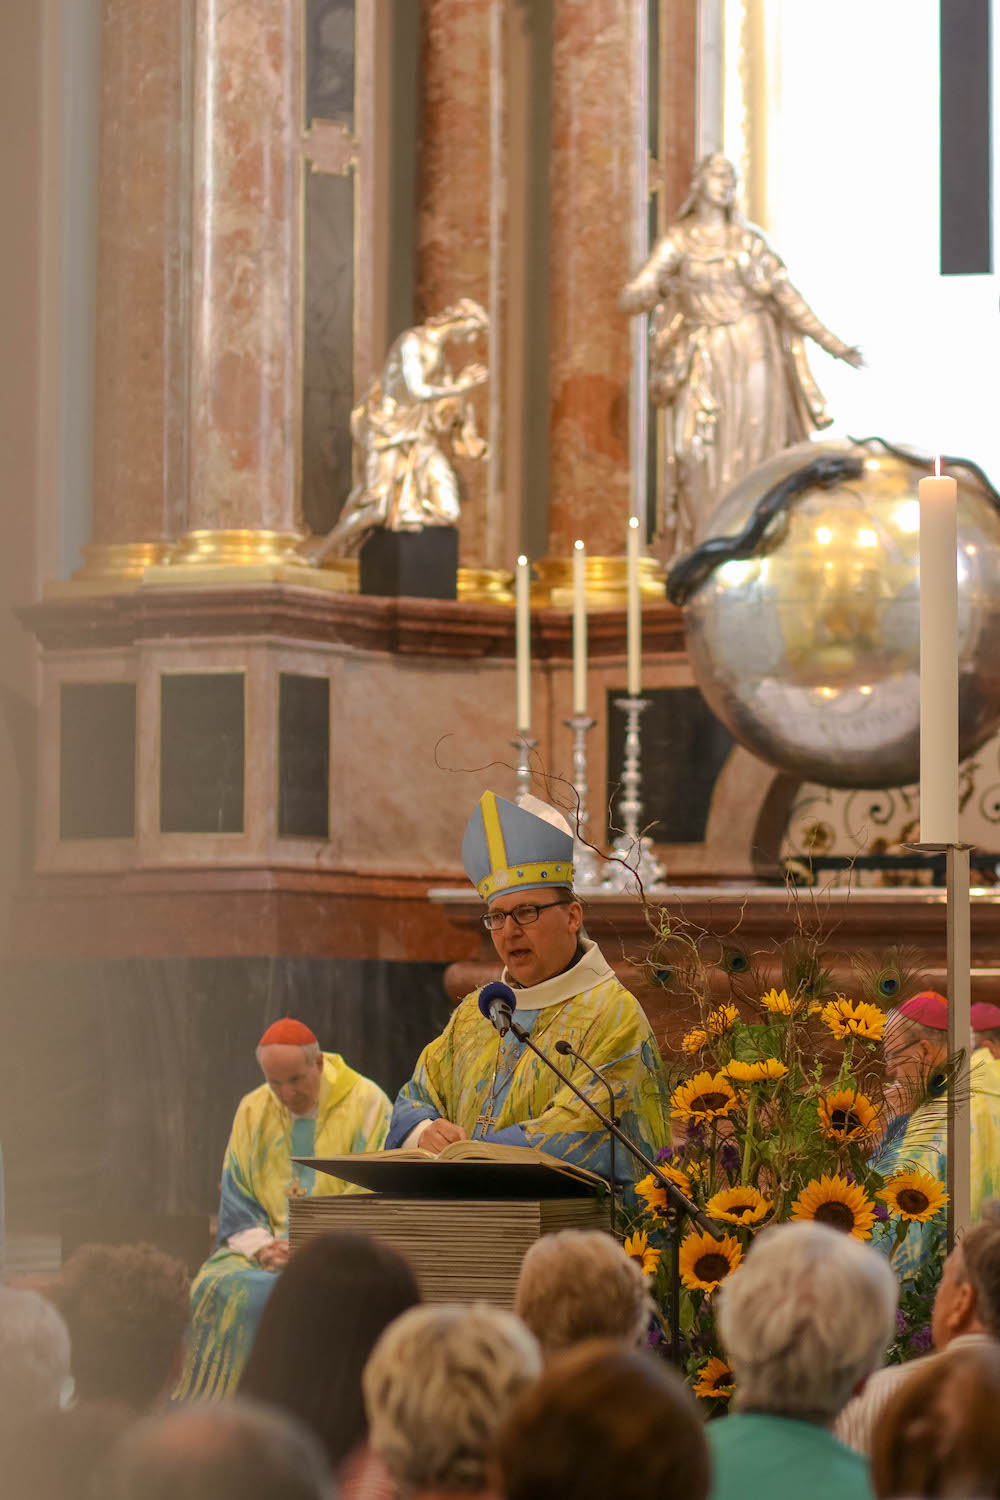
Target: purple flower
[(729, 1157), (664, 1154), (849, 1176), (922, 1340), (655, 1335), (902, 1326), (881, 1212), (694, 1134)]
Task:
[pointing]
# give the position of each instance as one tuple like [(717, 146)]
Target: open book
[(464, 1169)]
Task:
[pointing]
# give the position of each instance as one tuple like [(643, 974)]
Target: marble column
[(454, 196), (590, 252), (245, 362), (141, 346)]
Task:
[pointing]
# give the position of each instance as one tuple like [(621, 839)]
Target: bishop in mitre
[(470, 1084)]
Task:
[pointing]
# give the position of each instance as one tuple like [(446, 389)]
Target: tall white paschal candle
[(579, 628), (634, 613), (523, 644), (938, 659)]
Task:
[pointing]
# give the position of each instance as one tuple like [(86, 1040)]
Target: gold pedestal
[(475, 585), (238, 556), (606, 577), (109, 568)]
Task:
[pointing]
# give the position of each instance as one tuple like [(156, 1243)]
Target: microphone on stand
[(498, 1003), (566, 1050)]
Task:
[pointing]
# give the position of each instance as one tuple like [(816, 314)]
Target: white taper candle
[(579, 628), (634, 611), (523, 644), (938, 659)]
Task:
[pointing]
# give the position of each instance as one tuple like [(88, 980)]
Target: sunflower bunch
[(777, 1117)]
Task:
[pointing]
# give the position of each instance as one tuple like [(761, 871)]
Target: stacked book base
[(461, 1250)]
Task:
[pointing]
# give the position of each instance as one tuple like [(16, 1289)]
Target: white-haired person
[(34, 1361), (310, 1104), (805, 1320), (579, 1284), (437, 1386)]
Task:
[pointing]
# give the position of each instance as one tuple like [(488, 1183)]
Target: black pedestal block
[(417, 564)]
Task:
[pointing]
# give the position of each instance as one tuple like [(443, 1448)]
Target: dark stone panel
[(118, 1081), (966, 169), (684, 747), (97, 760), (303, 756), (330, 61), (201, 752)]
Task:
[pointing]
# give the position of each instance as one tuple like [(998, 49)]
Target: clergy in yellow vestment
[(311, 1104), (470, 1083)]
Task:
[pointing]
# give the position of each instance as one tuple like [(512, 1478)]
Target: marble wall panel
[(328, 347)]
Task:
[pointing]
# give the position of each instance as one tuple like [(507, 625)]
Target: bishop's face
[(533, 951), (292, 1078)]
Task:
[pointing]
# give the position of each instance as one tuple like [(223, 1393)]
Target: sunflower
[(654, 1196), (915, 1196), (703, 1097), (715, 1380), (739, 1205), (722, 1020), (846, 1115), (845, 1018), (705, 1262), (637, 1247), (766, 1070), (693, 1041), (835, 1201), (778, 1003)]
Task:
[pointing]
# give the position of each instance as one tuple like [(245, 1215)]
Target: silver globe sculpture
[(809, 651)]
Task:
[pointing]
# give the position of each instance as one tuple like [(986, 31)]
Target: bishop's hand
[(441, 1133)]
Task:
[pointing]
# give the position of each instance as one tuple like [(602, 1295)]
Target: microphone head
[(496, 993), (564, 1048)]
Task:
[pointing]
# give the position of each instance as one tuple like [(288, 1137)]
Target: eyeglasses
[(522, 915)]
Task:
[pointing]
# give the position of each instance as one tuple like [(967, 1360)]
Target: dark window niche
[(201, 752), (97, 760), (683, 750), (303, 757)]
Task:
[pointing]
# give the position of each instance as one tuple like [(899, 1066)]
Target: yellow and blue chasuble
[(258, 1178), (586, 1006), (920, 1141)]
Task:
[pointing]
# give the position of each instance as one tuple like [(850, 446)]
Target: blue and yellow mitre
[(511, 848)]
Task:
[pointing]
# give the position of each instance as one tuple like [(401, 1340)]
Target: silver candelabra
[(524, 745), (632, 862), (586, 863)]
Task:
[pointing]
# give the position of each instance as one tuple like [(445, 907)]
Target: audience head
[(939, 1436), (579, 1284), (916, 1039), (318, 1328), (968, 1297), (986, 1026), (292, 1064), (604, 1421), (805, 1318), (34, 1358), (57, 1456), (127, 1308), (236, 1450), (438, 1385)]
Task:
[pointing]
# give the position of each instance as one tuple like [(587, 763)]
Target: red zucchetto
[(287, 1033), (929, 1009), (985, 1017)]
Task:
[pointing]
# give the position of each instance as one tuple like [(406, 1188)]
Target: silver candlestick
[(524, 745), (633, 860), (586, 863)]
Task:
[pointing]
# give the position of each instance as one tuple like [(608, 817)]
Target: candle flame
[(578, 546), (937, 466), (522, 561), (633, 521)]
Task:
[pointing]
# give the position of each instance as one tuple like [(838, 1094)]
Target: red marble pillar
[(591, 209), (453, 196), (245, 273), (141, 336)]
